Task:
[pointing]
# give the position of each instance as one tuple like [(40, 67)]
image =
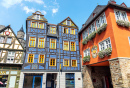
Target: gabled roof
[(68, 18), (13, 33), (37, 13), (100, 10)]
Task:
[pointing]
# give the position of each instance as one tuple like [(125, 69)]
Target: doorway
[(37, 82), (51, 80)]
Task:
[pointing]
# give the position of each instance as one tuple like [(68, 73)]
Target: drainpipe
[(59, 62)]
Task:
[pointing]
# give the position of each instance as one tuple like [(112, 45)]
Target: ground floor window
[(3, 81), (70, 82)]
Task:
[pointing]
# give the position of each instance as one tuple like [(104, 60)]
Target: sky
[(15, 12)]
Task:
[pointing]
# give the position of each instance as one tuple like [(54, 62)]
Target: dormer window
[(68, 22), (53, 30), (38, 17)]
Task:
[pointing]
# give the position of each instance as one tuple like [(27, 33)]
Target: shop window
[(34, 24), (2, 39), (74, 63), (53, 30), (66, 62), (30, 58), (41, 25), (72, 31), (52, 43), (66, 45), (52, 62), (9, 40), (3, 80), (105, 44), (41, 58), (73, 48), (70, 80), (10, 57), (65, 30), (41, 42), (32, 42)]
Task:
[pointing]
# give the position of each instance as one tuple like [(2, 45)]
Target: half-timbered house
[(11, 58), (52, 54)]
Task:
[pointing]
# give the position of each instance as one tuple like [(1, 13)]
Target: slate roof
[(1, 27), (98, 10), (21, 29)]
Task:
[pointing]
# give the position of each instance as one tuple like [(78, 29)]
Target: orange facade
[(118, 36)]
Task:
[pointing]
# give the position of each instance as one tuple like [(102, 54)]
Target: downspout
[(59, 62)]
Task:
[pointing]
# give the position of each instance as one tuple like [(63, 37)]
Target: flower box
[(106, 52), (123, 23), (86, 59), (101, 29)]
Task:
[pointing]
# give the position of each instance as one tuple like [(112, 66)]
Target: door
[(37, 82), (12, 81)]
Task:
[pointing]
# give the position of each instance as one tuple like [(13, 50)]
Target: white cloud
[(37, 1), (28, 10), (9, 3), (54, 10), (44, 12)]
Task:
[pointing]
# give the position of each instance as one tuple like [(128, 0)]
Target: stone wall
[(120, 72), (87, 80)]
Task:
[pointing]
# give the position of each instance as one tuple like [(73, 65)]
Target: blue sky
[(15, 12)]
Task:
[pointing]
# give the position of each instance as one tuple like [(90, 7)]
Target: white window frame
[(39, 57), (85, 34), (100, 20), (10, 57), (3, 39), (9, 42), (87, 51), (68, 46), (120, 17), (105, 45), (129, 40)]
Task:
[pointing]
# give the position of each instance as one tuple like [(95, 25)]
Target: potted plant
[(86, 59), (102, 28)]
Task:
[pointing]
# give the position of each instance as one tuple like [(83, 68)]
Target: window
[(53, 43), (30, 58), (66, 62), (9, 40), (129, 39), (66, 45), (101, 20), (70, 80), (53, 30), (85, 34), (87, 52), (41, 42), (65, 30), (34, 24), (93, 27), (41, 58), (52, 62), (72, 31), (10, 57), (90, 30), (38, 17), (32, 42), (105, 44), (74, 63), (68, 23), (73, 48), (121, 15), (40, 25), (2, 39)]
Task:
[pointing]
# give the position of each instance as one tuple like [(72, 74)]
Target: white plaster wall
[(21, 80)]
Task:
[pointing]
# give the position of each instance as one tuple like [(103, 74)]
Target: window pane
[(9, 40), (66, 45), (41, 59), (30, 58), (72, 46), (74, 63), (2, 39), (41, 43), (32, 41), (52, 43)]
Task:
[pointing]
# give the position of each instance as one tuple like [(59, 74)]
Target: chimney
[(113, 1), (83, 25)]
